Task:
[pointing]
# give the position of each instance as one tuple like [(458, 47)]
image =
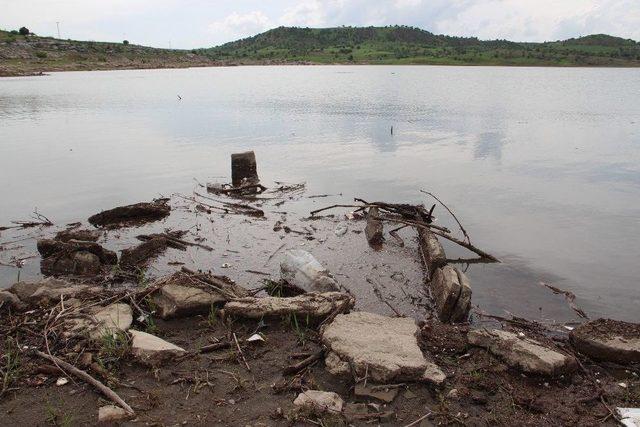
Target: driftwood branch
[(88, 378), (452, 214), (466, 245), (360, 207)]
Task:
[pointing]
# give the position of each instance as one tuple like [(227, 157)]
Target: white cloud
[(201, 23), (305, 14), (237, 25)]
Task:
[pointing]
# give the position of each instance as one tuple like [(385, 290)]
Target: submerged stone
[(609, 340)]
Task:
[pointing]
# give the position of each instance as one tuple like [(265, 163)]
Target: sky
[(199, 23)]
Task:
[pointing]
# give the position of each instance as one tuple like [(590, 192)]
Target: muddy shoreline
[(255, 382)]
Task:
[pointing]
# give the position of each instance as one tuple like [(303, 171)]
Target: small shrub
[(24, 31), (15, 32), (125, 42), (41, 55)]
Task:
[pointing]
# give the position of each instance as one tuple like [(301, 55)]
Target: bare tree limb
[(88, 378)]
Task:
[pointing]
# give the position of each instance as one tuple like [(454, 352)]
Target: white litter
[(630, 417), (62, 381), (255, 337)]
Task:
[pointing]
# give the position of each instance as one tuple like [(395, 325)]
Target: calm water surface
[(541, 164)]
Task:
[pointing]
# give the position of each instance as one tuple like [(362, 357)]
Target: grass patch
[(9, 366)]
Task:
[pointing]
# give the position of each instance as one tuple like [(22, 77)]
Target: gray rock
[(523, 353), (46, 295), (85, 263), (112, 414), (102, 321), (384, 347), (73, 257), (7, 299), (320, 402), (609, 340), (451, 293), (152, 350), (311, 304), (49, 247), (336, 366), (181, 301)]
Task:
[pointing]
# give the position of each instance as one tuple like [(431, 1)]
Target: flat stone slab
[(24, 290), (152, 350), (384, 347), (522, 353), (311, 304), (610, 340), (182, 301), (320, 401), (50, 290)]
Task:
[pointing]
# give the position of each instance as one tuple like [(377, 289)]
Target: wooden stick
[(241, 353), (466, 245), (418, 420), (213, 347), (296, 367), (437, 231), (88, 378)]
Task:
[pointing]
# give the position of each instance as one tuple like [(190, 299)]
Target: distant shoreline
[(31, 71)]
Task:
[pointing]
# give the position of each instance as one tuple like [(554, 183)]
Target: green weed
[(9, 366)]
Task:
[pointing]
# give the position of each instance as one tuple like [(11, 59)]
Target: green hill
[(30, 54), (408, 45)]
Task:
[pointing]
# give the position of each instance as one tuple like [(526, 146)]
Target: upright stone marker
[(244, 169)]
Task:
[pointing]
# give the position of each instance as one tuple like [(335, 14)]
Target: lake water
[(542, 165)]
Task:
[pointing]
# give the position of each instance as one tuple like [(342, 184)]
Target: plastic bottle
[(299, 268)]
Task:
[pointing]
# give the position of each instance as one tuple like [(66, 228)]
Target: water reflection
[(542, 164)]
